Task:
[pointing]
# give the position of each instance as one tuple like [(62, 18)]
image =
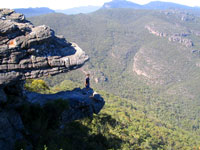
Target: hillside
[(149, 56)]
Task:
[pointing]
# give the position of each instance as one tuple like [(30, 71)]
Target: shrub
[(37, 85)]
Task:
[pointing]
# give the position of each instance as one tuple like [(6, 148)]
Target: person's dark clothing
[(87, 82)]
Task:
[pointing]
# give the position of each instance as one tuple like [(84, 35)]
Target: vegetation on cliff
[(122, 124)]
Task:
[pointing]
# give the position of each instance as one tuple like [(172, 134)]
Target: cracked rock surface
[(27, 51)]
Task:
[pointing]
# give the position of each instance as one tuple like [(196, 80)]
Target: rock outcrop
[(155, 32), (82, 102), (184, 41), (172, 37), (28, 52)]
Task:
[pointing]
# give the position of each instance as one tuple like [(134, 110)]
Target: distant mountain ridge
[(30, 12), (165, 5), (78, 10), (121, 4), (151, 5)]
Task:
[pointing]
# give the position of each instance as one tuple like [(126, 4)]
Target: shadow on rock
[(82, 102)]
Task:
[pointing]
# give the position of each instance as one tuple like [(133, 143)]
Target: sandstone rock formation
[(184, 41), (31, 52), (155, 32), (172, 37), (28, 52)]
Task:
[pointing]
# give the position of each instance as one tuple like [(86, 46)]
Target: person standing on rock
[(87, 81)]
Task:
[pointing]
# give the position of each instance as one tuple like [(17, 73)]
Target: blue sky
[(64, 4)]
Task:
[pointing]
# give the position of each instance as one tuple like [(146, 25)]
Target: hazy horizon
[(66, 4)]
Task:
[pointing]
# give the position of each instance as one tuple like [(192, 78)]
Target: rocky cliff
[(172, 37), (31, 52), (28, 52)]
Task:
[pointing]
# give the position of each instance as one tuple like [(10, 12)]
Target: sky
[(65, 4)]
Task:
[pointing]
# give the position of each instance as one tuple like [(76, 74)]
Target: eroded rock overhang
[(28, 52)]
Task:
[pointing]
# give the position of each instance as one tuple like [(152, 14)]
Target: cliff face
[(28, 52), (31, 52), (172, 37)]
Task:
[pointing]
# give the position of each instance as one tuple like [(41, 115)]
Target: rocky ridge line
[(176, 37)]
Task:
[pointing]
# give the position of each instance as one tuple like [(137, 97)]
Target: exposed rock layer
[(31, 52), (175, 37)]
